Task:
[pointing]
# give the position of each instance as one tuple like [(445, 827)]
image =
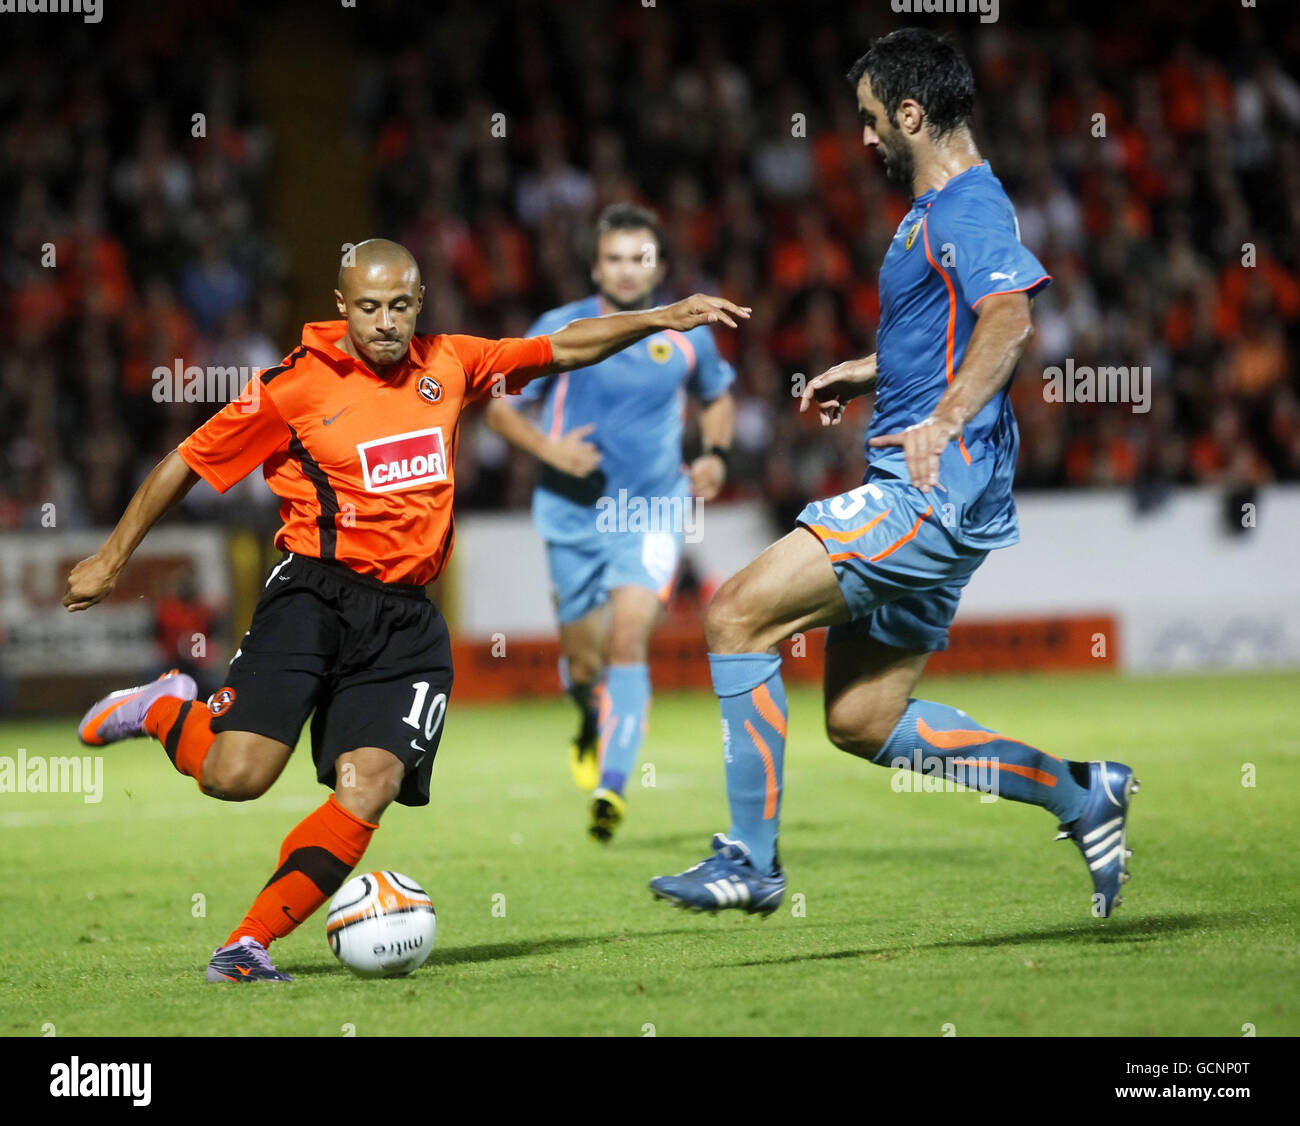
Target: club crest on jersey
[(404, 461), (429, 388), (911, 235), (221, 701), (660, 351)]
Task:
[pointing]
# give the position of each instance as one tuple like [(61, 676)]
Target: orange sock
[(184, 730), (315, 859)]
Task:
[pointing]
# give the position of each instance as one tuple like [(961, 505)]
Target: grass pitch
[(907, 912)]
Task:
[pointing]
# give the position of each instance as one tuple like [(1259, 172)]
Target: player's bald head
[(378, 263), (380, 297)]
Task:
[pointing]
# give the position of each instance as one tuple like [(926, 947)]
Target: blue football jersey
[(956, 247), (635, 398)]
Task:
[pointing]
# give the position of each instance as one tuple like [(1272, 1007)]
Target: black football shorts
[(371, 660)]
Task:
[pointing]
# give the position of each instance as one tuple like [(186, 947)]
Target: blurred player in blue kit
[(614, 502), (884, 564)]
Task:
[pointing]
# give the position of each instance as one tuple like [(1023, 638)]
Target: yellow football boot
[(608, 810), (584, 763)]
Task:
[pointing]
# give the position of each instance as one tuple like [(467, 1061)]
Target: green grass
[(920, 910)]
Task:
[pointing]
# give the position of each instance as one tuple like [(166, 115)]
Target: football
[(381, 924)]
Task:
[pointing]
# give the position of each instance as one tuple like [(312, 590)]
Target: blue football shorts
[(899, 570), (583, 573)]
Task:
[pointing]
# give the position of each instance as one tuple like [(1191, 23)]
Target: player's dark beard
[(900, 166), (642, 302)]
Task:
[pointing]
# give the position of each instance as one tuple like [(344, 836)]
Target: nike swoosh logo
[(243, 971), (327, 421), (295, 922)]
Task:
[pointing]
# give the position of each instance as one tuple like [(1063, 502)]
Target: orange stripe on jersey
[(952, 299), (557, 414), (952, 321), (893, 547), (1018, 289), (684, 343)]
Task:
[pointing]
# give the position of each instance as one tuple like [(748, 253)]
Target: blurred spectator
[(132, 245), (1155, 165), (1171, 234)]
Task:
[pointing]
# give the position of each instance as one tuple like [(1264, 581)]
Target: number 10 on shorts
[(432, 717)]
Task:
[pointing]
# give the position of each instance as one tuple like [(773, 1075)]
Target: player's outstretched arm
[(571, 454), (996, 343), (589, 340), (93, 579), (837, 386)]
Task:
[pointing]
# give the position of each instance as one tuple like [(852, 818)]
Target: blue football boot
[(726, 879), (1102, 832)]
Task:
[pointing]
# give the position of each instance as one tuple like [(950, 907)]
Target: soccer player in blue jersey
[(613, 502), (884, 564)]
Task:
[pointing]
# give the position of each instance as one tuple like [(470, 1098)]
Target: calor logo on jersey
[(403, 461)]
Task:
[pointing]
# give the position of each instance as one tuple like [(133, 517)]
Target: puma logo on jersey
[(1004, 277), (403, 461)]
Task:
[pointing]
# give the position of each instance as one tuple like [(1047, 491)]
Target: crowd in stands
[(134, 238), (1155, 170)]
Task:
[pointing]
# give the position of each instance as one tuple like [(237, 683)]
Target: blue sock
[(961, 749), (627, 695), (754, 714)]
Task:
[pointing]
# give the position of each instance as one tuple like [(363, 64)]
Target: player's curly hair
[(630, 217), (915, 63)]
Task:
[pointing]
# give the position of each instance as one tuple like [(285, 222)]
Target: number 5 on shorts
[(847, 505)]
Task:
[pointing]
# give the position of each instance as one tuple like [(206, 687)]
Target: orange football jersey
[(363, 464)]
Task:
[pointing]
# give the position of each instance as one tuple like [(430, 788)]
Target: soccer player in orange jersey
[(356, 433)]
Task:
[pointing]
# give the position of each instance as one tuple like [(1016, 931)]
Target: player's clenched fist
[(922, 445), (91, 581), (699, 309), (572, 454), (836, 386), (708, 475)]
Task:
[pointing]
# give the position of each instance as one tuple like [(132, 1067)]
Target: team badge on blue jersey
[(911, 235), (660, 351)]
